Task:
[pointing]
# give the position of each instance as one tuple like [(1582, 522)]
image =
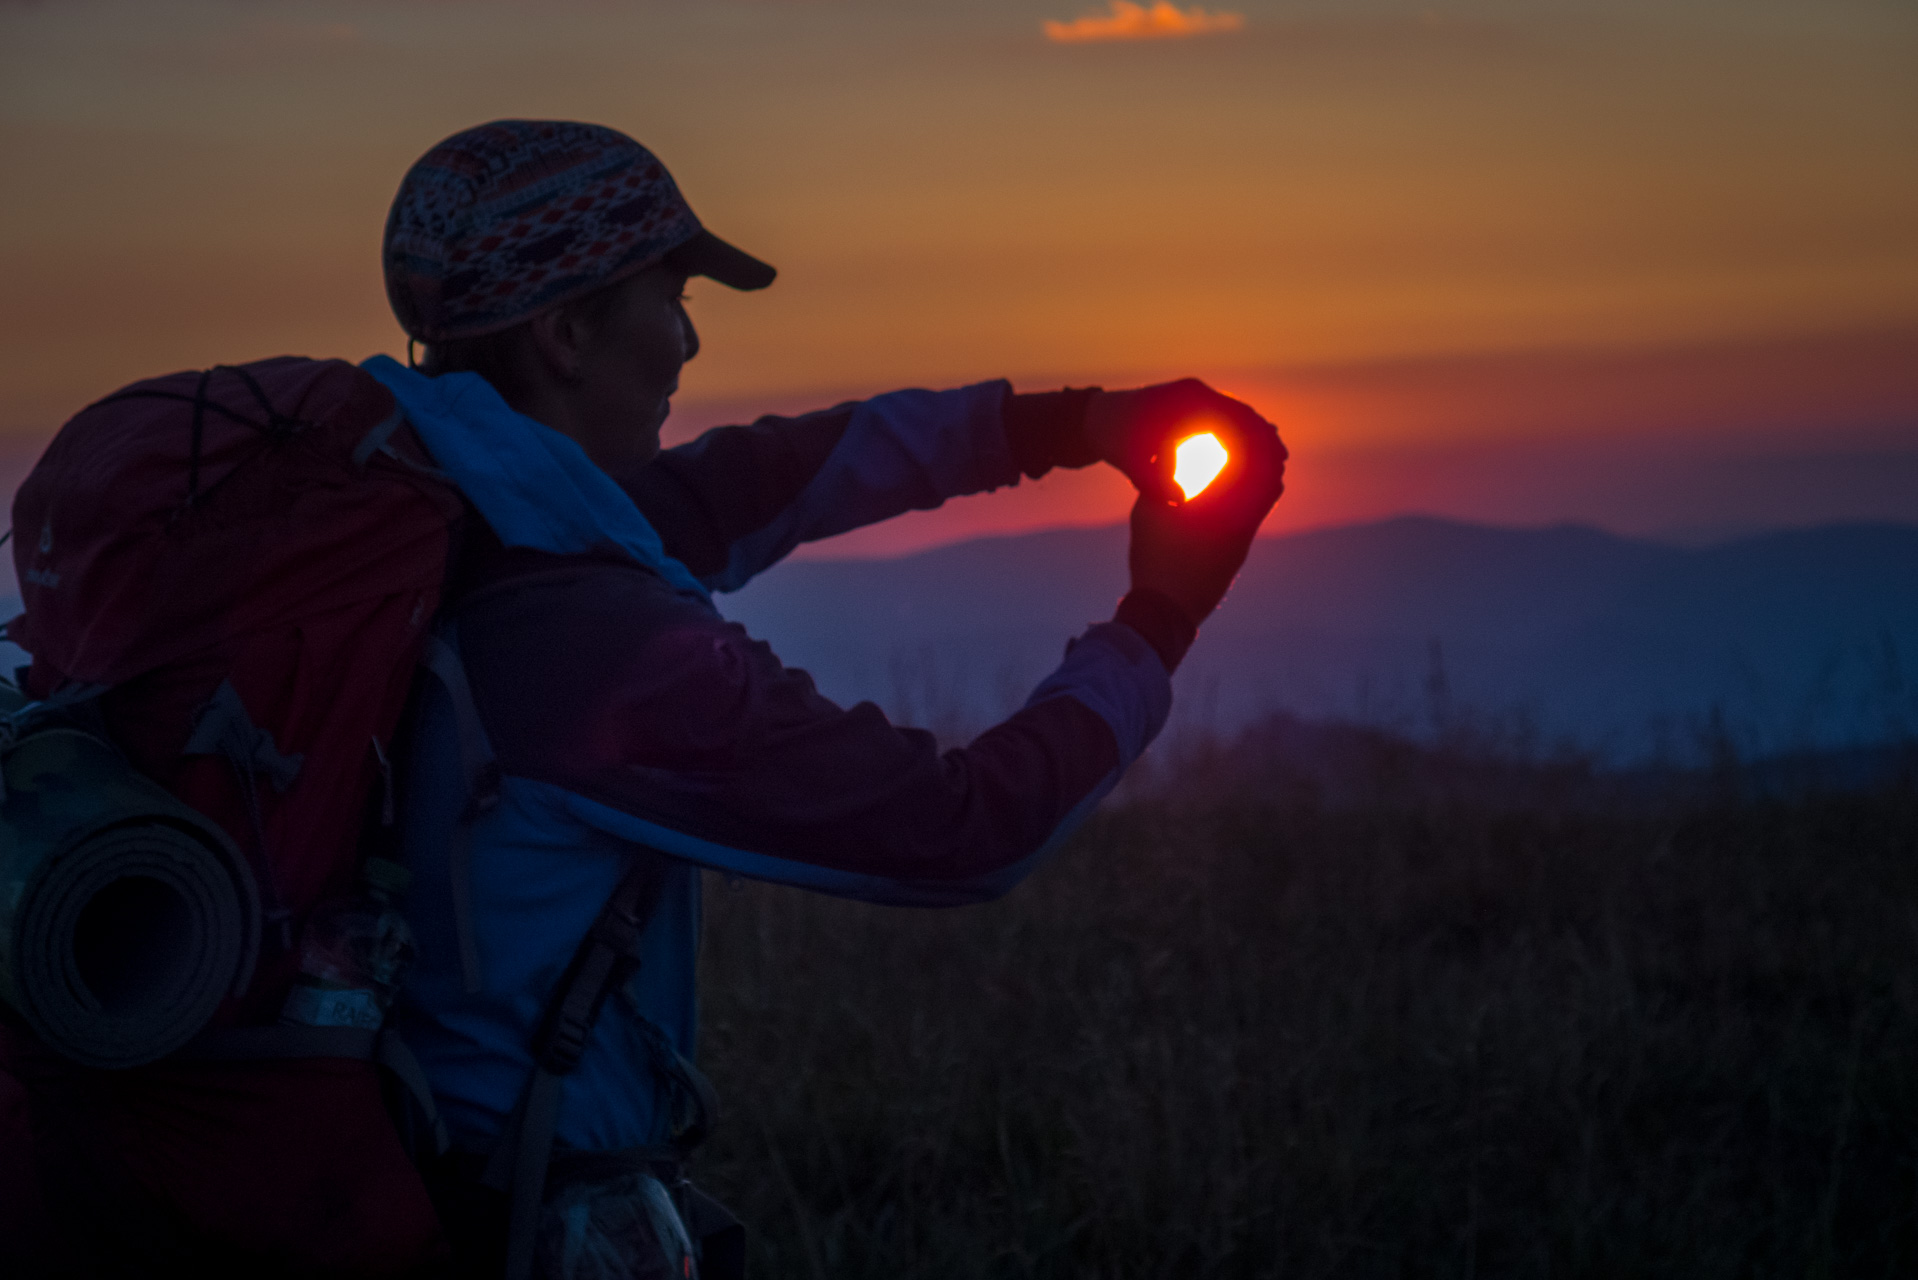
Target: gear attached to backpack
[(130, 917)]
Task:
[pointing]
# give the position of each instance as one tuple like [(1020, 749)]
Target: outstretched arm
[(667, 726), (737, 500)]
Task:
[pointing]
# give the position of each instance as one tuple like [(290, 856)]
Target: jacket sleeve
[(664, 725), (738, 499)]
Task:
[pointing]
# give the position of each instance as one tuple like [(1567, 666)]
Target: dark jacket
[(623, 710)]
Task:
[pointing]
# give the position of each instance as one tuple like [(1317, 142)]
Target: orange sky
[(1431, 240)]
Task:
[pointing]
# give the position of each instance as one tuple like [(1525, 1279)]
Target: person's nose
[(688, 336)]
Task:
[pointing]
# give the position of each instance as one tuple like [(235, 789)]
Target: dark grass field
[(1444, 1028)]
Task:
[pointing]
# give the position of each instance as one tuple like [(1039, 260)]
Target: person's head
[(551, 258)]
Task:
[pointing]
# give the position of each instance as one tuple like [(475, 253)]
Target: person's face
[(629, 366)]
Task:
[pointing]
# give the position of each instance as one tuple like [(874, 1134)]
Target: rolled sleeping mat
[(125, 916)]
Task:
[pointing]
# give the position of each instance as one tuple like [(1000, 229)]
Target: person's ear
[(559, 342)]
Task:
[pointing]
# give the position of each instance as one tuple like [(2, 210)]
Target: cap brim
[(707, 255)]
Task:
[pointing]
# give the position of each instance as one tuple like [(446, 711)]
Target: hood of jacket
[(533, 485)]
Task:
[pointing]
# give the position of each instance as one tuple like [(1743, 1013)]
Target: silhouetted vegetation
[(1425, 1026)]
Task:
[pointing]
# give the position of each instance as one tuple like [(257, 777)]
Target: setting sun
[(1200, 459)]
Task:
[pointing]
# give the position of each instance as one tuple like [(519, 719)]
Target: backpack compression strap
[(383, 1047), (480, 771)]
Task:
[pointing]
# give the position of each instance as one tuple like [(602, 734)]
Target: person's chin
[(646, 444)]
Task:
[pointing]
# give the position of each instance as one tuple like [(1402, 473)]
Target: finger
[(1265, 459), (1255, 431)]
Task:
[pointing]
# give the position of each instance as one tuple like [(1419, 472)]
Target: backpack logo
[(44, 577)]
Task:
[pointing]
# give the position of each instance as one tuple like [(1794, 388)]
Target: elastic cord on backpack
[(277, 425)]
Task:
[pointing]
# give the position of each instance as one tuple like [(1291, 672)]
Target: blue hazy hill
[(1789, 641), (1792, 640), (10, 655)]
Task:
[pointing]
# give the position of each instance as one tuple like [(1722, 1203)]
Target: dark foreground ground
[(1447, 1030)]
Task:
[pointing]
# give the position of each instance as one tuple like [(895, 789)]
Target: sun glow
[(1200, 459)]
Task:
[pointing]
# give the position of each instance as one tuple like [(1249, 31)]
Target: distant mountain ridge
[(1787, 641), (1793, 640)]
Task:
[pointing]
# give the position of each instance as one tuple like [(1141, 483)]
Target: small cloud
[(1161, 20)]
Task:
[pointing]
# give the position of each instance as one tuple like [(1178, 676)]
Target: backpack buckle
[(619, 931), (565, 1045)]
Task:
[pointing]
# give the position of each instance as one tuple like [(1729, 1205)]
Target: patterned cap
[(503, 221)]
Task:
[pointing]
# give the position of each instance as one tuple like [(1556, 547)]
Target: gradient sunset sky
[(1652, 266)]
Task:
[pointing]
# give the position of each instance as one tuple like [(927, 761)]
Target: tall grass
[(1430, 1032)]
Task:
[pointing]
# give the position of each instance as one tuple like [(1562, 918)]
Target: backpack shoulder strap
[(483, 568), (607, 958)]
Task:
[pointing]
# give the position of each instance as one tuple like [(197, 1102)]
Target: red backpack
[(241, 566)]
